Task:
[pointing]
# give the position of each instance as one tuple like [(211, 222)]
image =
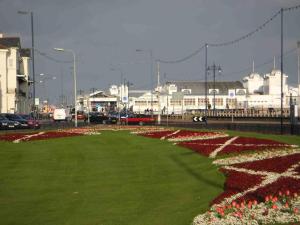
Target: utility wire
[(291, 8), (248, 34), (221, 44), (183, 59), (51, 58)]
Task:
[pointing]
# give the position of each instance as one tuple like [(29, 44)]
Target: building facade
[(254, 92), (14, 76)]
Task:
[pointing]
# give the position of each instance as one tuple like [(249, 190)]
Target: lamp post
[(74, 75), (121, 88), (214, 68), (151, 74), (32, 55), (206, 46)]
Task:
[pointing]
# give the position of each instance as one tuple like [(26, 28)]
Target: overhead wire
[(227, 43), (51, 58), (246, 35), (184, 58)]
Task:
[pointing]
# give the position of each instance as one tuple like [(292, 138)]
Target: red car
[(140, 119), (32, 123), (80, 116)]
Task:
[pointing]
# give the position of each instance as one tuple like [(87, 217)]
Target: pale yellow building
[(14, 76)]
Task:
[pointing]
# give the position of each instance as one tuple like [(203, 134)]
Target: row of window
[(191, 102)]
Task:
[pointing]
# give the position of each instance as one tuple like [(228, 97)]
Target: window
[(218, 101), (189, 101), (175, 102), (201, 101), (186, 91), (140, 103)]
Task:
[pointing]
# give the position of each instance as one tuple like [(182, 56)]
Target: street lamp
[(32, 53), (74, 74), (121, 88), (151, 73), (214, 68)]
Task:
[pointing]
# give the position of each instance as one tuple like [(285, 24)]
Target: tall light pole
[(281, 70), (298, 56), (32, 55), (214, 68), (74, 75), (121, 89), (206, 46), (151, 74)]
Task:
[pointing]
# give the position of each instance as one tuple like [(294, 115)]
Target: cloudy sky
[(105, 35)]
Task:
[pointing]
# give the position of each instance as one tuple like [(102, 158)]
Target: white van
[(59, 115)]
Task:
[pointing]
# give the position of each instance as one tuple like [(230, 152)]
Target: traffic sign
[(199, 119)]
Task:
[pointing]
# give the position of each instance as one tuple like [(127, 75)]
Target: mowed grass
[(114, 178)]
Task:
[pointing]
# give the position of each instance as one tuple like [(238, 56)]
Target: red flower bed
[(158, 134), (240, 144), (13, 137), (241, 148), (215, 141), (187, 133), (272, 176), (257, 141), (52, 134), (278, 164), (237, 182), (281, 185), (37, 136), (202, 149)]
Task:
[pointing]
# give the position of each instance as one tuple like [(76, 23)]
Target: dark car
[(18, 120), (32, 123), (5, 123), (96, 117)]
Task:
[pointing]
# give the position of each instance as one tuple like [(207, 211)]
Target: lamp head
[(59, 49)]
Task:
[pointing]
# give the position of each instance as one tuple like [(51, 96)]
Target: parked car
[(5, 123), (140, 119), (32, 123), (19, 122), (96, 117), (80, 115)]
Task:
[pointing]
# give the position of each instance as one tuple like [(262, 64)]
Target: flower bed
[(156, 134), (276, 174), (273, 168), (185, 135), (21, 137), (228, 145), (281, 208)]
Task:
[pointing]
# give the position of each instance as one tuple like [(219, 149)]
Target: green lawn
[(110, 179)]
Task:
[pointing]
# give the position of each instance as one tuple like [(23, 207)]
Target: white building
[(14, 76), (255, 91)]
